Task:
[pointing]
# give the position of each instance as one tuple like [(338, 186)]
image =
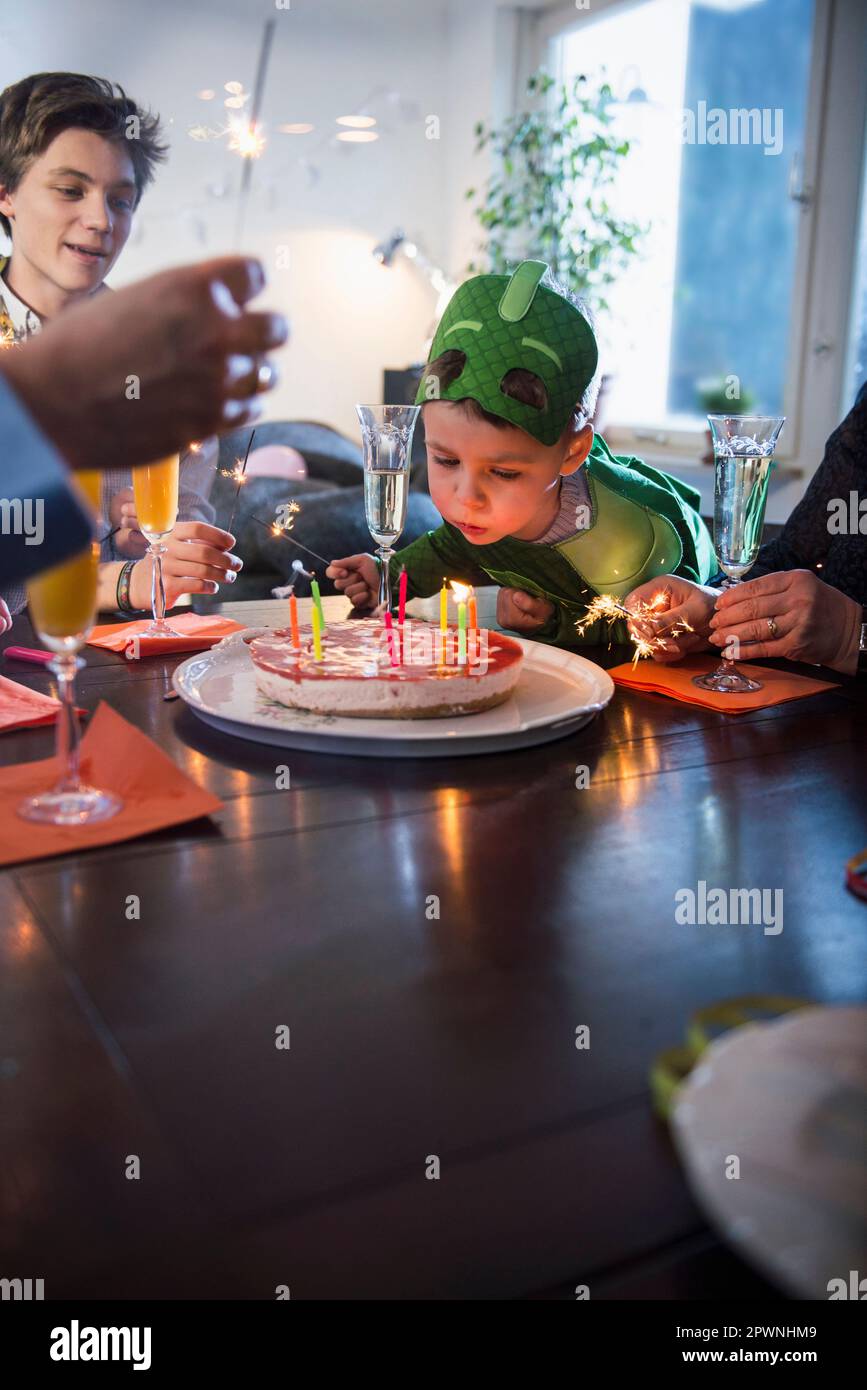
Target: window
[(713, 97), (856, 373)]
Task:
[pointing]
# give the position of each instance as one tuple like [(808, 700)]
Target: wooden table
[(411, 1036)]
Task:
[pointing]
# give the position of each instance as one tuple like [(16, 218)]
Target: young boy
[(530, 500), (75, 157)]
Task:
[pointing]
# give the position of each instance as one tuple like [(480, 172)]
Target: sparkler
[(277, 530), (607, 608), (239, 474), (250, 142)]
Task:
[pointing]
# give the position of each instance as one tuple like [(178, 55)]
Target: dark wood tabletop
[(411, 1036)]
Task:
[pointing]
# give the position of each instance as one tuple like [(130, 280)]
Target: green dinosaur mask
[(501, 322)]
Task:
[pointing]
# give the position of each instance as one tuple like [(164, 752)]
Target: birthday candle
[(462, 633), (317, 634), (293, 619), (401, 597), (473, 619), (444, 607), (389, 627), (317, 599)]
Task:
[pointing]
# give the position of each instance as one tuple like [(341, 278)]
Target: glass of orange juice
[(155, 486), (63, 608)]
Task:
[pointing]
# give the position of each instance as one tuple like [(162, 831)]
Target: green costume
[(643, 524)]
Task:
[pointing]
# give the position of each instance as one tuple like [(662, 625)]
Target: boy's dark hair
[(520, 384), (38, 108)]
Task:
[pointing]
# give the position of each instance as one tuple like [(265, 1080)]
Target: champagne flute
[(155, 486), (63, 608), (743, 447), (386, 434)]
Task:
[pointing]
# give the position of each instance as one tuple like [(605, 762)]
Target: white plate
[(557, 693), (788, 1099)]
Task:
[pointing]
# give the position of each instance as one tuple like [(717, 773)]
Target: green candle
[(462, 633), (317, 599)]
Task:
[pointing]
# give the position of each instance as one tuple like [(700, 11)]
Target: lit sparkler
[(277, 530), (246, 138), (239, 475), (253, 142), (607, 608)]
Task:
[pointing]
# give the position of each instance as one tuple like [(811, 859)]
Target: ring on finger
[(264, 377), (772, 627)]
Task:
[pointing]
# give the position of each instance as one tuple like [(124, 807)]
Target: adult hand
[(141, 371), (196, 561), (522, 612), (128, 540), (685, 603), (814, 622)]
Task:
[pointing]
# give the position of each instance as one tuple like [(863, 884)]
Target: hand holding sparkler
[(648, 618), (678, 623), (357, 577)]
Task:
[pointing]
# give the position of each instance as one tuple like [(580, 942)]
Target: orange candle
[(473, 619), (293, 619)]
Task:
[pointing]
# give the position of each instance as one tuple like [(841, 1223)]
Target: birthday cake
[(367, 672)]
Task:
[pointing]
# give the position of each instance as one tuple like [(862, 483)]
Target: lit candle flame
[(460, 591)]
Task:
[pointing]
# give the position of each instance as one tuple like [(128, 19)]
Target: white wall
[(350, 317)]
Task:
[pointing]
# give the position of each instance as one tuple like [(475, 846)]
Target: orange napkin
[(21, 708), (676, 681), (199, 632), (117, 758)]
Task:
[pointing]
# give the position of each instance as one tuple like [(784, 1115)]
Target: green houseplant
[(548, 194), (721, 395)]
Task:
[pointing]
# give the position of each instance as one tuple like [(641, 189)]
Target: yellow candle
[(317, 634), (444, 607)]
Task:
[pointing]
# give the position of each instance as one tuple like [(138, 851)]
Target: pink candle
[(389, 627), (401, 598)]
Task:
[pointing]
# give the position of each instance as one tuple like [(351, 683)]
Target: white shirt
[(24, 320)]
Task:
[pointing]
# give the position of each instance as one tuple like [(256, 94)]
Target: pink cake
[(356, 677)]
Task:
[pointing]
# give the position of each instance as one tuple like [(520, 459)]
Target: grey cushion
[(329, 455)]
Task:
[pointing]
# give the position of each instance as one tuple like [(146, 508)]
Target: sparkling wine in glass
[(155, 486), (386, 434), (743, 447), (63, 608)]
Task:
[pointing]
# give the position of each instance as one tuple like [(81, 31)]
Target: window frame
[(824, 277)]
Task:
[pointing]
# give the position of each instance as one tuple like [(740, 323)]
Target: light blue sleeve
[(42, 519)]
